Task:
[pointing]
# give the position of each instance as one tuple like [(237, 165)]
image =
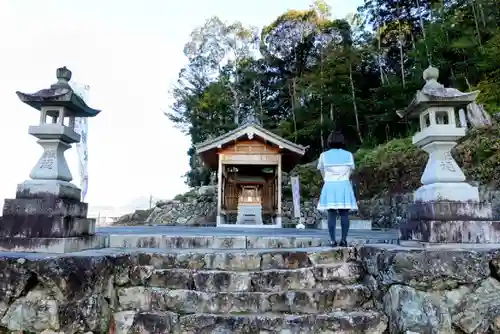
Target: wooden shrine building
[(249, 161)]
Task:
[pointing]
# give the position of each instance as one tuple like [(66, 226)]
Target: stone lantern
[(47, 214), (446, 209), (435, 107), (58, 107)]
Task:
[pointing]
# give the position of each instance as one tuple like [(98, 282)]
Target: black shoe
[(333, 244), (343, 243)]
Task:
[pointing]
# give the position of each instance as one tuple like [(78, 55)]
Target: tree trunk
[(429, 56), (236, 104), (293, 99), (354, 105), (381, 71), (321, 120), (476, 22), (321, 131), (401, 59), (260, 105)]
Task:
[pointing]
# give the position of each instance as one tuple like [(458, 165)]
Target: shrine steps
[(307, 301), (241, 241), (341, 322), (294, 290)]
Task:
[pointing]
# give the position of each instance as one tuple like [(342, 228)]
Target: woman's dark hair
[(335, 140)]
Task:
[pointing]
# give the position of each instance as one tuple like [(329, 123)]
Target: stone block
[(45, 226), (448, 191), (452, 231), (48, 205), (46, 188), (272, 280), (354, 224), (450, 210), (249, 214), (338, 321), (155, 322), (346, 297), (53, 245)]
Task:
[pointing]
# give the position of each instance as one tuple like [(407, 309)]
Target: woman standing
[(337, 196)]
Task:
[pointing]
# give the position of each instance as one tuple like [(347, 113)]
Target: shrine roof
[(59, 94), (249, 130)]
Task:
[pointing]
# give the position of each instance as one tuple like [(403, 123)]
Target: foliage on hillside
[(396, 167), (305, 74), (479, 156)]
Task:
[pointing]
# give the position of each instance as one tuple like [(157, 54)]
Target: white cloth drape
[(81, 127)]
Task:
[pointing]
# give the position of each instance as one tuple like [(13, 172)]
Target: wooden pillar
[(219, 190), (223, 190), (279, 190)]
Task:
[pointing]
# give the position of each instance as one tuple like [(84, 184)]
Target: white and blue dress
[(336, 166)]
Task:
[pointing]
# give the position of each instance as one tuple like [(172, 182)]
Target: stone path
[(170, 237), (224, 231)]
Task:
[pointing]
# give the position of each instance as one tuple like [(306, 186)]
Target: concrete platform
[(355, 224), (167, 237), (53, 245), (195, 238)]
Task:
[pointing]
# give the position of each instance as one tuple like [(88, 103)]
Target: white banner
[(296, 196), (81, 127)]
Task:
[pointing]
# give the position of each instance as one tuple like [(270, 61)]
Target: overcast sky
[(130, 53)]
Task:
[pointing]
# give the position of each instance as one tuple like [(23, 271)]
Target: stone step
[(355, 223), (234, 242), (345, 297), (342, 322), (227, 259), (316, 277)]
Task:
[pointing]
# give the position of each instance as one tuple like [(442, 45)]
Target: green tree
[(305, 73)]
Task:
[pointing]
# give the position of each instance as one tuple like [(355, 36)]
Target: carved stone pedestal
[(249, 214), (48, 224), (451, 222)]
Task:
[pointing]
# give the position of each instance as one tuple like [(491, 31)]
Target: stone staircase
[(240, 241), (296, 290)]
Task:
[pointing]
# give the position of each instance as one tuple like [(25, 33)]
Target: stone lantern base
[(451, 222), (47, 217)]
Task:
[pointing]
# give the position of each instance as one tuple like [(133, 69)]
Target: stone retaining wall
[(373, 289), (199, 209), (438, 290), (389, 211)]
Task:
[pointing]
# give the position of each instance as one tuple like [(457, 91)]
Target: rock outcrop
[(199, 208), (195, 208), (137, 217), (440, 290), (371, 289)]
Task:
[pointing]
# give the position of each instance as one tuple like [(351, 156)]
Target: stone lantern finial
[(431, 75), (63, 75)]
